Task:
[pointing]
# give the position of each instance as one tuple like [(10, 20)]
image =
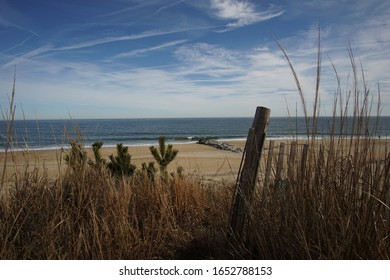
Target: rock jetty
[(220, 145)]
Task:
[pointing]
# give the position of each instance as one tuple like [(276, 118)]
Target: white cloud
[(112, 39), (209, 60), (242, 12), (210, 80), (25, 57), (143, 35), (6, 23), (48, 48), (17, 45), (159, 10), (228, 84), (202, 78), (138, 52)]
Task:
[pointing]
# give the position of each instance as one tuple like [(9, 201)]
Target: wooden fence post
[(268, 166), (279, 165), (303, 163), (246, 185), (280, 184), (377, 176), (291, 177)]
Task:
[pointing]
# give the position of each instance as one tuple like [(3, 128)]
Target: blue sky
[(185, 58)]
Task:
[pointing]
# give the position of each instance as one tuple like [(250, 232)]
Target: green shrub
[(120, 165), (99, 161), (164, 155)]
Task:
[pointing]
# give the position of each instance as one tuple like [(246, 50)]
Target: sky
[(187, 58)]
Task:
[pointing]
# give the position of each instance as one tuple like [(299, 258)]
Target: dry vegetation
[(328, 211), (91, 215)]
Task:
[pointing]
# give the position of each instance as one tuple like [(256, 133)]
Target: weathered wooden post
[(247, 181), (291, 177), (279, 166), (268, 166), (303, 164), (319, 166)]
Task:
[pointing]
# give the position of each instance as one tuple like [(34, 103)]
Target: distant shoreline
[(243, 140), (206, 161), (56, 134)]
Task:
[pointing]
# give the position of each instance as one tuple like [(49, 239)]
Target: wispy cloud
[(143, 35), (159, 10), (6, 23), (242, 13), (182, 73), (131, 8), (136, 10), (209, 60), (138, 52), (17, 45), (28, 55), (50, 48)]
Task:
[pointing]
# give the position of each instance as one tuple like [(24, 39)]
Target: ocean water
[(55, 134)]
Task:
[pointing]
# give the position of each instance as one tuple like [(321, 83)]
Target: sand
[(205, 161), (197, 159)]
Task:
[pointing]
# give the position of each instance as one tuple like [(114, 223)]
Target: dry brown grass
[(91, 215), (330, 213), (338, 207)]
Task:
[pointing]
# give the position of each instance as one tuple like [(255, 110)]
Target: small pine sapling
[(150, 169), (163, 155), (120, 165), (99, 161)]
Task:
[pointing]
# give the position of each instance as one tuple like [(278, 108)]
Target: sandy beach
[(206, 161), (196, 159)]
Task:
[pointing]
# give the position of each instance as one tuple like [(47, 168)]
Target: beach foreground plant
[(120, 165), (76, 157), (164, 155), (99, 161), (333, 199)]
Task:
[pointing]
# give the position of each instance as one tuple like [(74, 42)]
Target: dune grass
[(338, 207), (330, 213), (92, 215)]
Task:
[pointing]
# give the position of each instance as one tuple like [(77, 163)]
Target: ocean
[(55, 134)]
